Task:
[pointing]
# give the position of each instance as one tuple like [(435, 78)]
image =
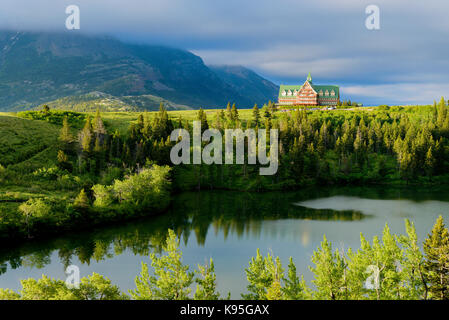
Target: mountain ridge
[(40, 67)]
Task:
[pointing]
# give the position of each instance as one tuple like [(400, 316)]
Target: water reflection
[(229, 213)]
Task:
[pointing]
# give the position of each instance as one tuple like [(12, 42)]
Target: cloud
[(398, 93), (283, 39)]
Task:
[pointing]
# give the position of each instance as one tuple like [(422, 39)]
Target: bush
[(144, 190), (103, 196), (51, 173)]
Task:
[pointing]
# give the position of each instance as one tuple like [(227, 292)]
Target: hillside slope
[(106, 102), (27, 144)]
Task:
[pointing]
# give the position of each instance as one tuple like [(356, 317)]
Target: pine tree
[(171, 280), (261, 274), (81, 201), (329, 272), (203, 118), (229, 112), (267, 116), (85, 136), (295, 288), (429, 164), (235, 114), (206, 288), (415, 281), (436, 249), (65, 136), (256, 116), (98, 125), (45, 109), (272, 107)]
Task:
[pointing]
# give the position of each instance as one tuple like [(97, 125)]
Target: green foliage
[(94, 287), (256, 116), (103, 196), (415, 279), (51, 173), (171, 280), (147, 189), (295, 287), (65, 136), (206, 288), (33, 210), (81, 201), (403, 272), (436, 266), (329, 272), (261, 274), (56, 117), (203, 119)]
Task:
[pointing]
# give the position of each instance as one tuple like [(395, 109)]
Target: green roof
[(315, 87)]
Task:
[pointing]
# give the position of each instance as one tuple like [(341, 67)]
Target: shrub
[(103, 196)]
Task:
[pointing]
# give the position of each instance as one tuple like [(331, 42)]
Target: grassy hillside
[(109, 103), (25, 144)]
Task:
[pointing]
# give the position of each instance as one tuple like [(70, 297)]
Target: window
[(321, 92), (289, 93), (332, 93), (284, 93), (326, 93)]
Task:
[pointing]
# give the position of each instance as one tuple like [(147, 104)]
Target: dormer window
[(332, 93), (321, 92), (284, 93), (326, 93), (289, 92)]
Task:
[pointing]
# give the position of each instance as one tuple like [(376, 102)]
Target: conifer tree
[(98, 125), (295, 288), (85, 136), (256, 116), (206, 288), (171, 280), (45, 109), (81, 201), (235, 114), (261, 274), (415, 281), (272, 107), (430, 161), (65, 136), (329, 271), (203, 118), (436, 249), (229, 112)]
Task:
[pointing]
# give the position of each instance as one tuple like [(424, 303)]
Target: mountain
[(247, 82), (39, 67)]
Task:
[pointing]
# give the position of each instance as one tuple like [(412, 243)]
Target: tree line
[(391, 267)]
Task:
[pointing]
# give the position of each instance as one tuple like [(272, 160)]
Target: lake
[(229, 227)]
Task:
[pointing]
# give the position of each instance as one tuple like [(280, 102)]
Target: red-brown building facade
[(309, 94)]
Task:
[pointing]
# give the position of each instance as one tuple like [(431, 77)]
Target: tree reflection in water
[(229, 212)]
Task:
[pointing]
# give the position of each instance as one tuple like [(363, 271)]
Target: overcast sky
[(405, 62)]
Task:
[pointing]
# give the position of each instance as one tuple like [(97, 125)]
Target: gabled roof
[(315, 87), (326, 87)]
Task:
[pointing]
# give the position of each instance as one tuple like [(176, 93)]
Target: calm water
[(229, 227)]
